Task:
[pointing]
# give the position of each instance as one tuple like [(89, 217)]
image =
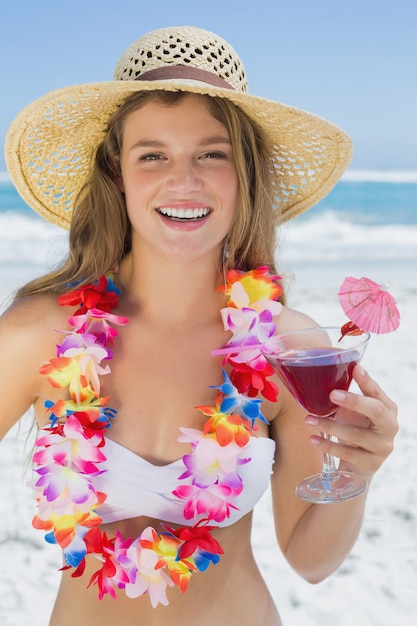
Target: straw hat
[(51, 143)]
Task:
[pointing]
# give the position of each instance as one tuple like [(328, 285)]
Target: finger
[(348, 435), (353, 458), (370, 409), (370, 387), (362, 443), (374, 404), (355, 435), (363, 412)]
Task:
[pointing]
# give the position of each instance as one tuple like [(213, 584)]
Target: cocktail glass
[(311, 363)]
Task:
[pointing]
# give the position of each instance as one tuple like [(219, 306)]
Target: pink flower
[(71, 448), (97, 323), (65, 482), (211, 463), (75, 343), (249, 327), (65, 463), (51, 504), (213, 502)]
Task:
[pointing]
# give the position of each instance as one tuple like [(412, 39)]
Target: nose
[(184, 176)]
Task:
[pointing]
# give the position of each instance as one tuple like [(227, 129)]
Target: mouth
[(183, 214)]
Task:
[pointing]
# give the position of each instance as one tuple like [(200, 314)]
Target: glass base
[(318, 489)]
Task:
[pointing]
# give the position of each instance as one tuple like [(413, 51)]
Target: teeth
[(184, 213)]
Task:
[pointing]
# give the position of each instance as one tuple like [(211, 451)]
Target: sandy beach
[(377, 584)]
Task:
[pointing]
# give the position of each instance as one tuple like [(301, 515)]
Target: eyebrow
[(156, 143)]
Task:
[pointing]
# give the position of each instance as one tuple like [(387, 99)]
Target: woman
[(172, 179)]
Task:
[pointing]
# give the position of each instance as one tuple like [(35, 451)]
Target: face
[(179, 179)]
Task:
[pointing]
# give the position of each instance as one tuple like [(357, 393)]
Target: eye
[(214, 154), (151, 156)]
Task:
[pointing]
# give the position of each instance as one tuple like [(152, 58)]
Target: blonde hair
[(100, 232)]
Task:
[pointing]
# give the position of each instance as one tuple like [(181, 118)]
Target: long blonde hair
[(100, 232)]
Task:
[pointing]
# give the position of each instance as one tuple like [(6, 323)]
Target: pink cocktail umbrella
[(369, 305)]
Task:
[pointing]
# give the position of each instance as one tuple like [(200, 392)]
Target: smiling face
[(179, 179)]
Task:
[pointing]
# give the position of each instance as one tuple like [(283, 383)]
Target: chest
[(157, 379)]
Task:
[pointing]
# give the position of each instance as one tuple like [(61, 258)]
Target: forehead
[(186, 112)]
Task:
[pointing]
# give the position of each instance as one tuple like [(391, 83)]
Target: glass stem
[(329, 470)]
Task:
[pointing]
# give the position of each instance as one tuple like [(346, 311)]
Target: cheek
[(137, 194), (229, 184)]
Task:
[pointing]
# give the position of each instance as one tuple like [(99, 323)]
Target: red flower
[(254, 381), (111, 574), (93, 296), (196, 537)]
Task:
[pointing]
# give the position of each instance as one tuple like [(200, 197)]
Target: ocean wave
[(28, 241), (380, 176), (328, 237)]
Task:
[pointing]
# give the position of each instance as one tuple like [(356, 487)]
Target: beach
[(377, 584)]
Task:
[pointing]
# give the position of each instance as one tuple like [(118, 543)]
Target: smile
[(184, 214)]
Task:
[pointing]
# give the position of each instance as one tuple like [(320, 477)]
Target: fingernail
[(315, 441), (338, 395), (362, 371), (312, 421)]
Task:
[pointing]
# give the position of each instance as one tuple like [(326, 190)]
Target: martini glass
[(311, 363)]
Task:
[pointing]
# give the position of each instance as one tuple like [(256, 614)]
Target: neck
[(175, 291)]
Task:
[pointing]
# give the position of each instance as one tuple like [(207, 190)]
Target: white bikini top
[(135, 487)]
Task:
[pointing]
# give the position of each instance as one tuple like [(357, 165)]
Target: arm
[(317, 538), (25, 341)]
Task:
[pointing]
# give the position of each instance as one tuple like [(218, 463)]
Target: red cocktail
[(311, 374), (311, 363)]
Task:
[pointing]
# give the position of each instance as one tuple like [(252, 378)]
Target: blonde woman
[(152, 452)]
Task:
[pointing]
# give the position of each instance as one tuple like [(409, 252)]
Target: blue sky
[(353, 62)]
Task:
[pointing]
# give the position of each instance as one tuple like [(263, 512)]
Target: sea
[(366, 225)]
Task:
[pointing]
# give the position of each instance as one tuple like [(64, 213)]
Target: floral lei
[(70, 450)]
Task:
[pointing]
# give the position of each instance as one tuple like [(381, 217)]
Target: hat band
[(185, 72)]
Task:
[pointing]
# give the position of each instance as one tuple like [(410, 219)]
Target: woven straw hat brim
[(51, 144)]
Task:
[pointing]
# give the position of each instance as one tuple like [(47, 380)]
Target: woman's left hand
[(364, 425)]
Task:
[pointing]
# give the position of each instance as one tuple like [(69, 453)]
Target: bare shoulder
[(288, 320), (31, 310), (32, 317), (27, 338), (291, 319), (27, 327)]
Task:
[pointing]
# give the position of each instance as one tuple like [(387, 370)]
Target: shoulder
[(30, 320), (291, 319), (288, 320), (36, 309), (27, 338)]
